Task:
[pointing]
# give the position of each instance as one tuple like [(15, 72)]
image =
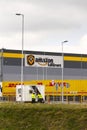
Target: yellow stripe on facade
[(70, 58), (84, 59), (0, 54), (66, 58), (13, 55)]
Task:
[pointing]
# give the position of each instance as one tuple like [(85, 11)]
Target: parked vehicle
[(24, 92)]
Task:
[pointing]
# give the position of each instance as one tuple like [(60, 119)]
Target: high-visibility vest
[(33, 96), (40, 96)]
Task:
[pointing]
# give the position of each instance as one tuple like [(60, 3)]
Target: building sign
[(59, 84), (43, 61)]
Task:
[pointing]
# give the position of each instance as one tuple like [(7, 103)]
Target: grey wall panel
[(75, 72), (11, 77), (53, 73), (29, 77), (0, 65), (11, 70), (33, 73), (84, 65), (12, 61), (75, 64), (72, 64), (32, 77)]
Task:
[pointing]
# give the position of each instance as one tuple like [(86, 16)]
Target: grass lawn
[(26, 116)]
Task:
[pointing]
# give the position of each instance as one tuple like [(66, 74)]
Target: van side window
[(19, 90)]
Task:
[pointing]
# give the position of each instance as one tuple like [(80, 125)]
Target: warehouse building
[(44, 68)]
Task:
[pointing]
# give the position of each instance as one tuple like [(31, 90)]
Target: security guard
[(33, 97)]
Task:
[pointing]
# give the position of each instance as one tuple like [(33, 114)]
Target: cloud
[(41, 15), (47, 22), (83, 43)]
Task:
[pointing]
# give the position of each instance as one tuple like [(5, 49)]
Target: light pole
[(18, 14), (62, 95)]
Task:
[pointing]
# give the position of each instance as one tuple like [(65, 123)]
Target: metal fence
[(66, 99), (51, 99)]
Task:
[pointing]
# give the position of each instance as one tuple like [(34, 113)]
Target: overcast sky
[(47, 23)]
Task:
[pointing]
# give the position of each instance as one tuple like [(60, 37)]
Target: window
[(19, 91)]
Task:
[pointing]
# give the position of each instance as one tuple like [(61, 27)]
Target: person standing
[(40, 98), (33, 96)]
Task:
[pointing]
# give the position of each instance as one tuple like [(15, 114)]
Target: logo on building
[(30, 59), (43, 60)]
